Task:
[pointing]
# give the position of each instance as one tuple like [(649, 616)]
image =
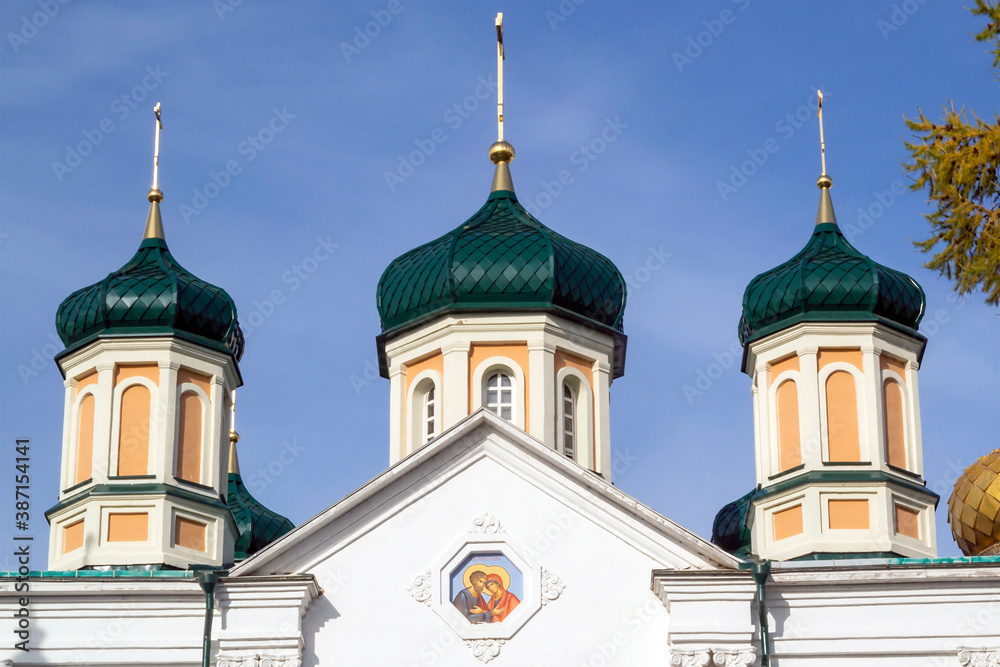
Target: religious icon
[(486, 587)]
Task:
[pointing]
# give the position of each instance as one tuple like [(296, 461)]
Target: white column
[(163, 424), (602, 419), (102, 421), (872, 415), (67, 478), (755, 397), (218, 440), (914, 446), (455, 403), (762, 421), (397, 412), (809, 424), (542, 391)]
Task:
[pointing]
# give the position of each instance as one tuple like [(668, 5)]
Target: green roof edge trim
[(145, 489)]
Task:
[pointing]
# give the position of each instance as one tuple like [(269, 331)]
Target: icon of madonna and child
[(486, 587)]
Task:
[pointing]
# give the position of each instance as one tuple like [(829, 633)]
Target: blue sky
[(684, 116)]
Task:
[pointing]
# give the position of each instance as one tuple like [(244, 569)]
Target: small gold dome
[(501, 151), (974, 506)]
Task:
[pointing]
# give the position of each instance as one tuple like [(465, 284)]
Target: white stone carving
[(420, 588), (486, 523), (979, 657), (734, 657), (552, 586), (255, 660), (698, 658), (485, 649)]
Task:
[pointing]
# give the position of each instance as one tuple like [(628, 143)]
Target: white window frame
[(483, 372), (416, 424), (583, 418), (206, 430), (864, 448), (884, 377), (116, 419), (774, 446)]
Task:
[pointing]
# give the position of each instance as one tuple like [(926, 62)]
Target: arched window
[(133, 431), (568, 421), (789, 445), (499, 395), (189, 437), (429, 421)]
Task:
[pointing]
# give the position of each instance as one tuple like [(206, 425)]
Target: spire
[(501, 153), (234, 437), (154, 224), (824, 182)]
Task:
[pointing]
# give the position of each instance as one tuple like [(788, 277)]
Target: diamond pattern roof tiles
[(503, 258), (257, 525), (829, 280), (154, 294)]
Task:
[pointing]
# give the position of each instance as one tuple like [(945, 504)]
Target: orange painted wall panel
[(189, 437), (85, 381), (895, 443), (842, 418), (789, 444), (133, 434), (149, 371), (887, 363), (788, 522), (189, 533), (848, 514), (787, 364), (131, 527), (827, 357), (73, 537), (907, 522), (85, 439), (203, 382)]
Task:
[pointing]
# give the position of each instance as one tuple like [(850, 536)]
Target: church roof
[(502, 259), (152, 294), (731, 527), (829, 280)]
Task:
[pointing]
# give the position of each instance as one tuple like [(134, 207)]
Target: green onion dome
[(502, 259), (257, 525), (731, 528), (829, 280), (151, 295)]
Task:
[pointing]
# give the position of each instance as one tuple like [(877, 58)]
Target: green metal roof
[(502, 259), (151, 295), (257, 525), (829, 280), (732, 526)]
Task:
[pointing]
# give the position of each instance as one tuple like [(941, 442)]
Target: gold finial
[(234, 437), (500, 59), (824, 181), (155, 194), (501, 152)]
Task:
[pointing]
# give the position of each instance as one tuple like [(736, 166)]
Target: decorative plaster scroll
[(485, 649), (979, 657), (552, 586), (486, 523), (699, 658), (255, 660), (420, 588), (734, 658)]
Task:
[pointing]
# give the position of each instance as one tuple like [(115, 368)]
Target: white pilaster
[(218, 441), (102, 421), (872, 417), (542, 375), (914, 444), (397, 396), (163, 424), (602, 418), (762, 424), (809, 422), (455, 404), (70, 453)]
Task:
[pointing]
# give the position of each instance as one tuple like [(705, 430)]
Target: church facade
[(496, 534)]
